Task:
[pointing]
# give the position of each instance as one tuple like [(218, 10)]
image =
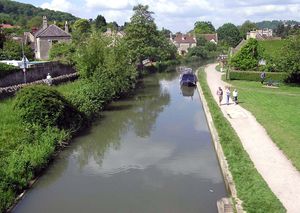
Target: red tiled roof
[(184, 39)]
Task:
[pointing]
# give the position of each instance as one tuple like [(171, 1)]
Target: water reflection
[(187, 91), (151, 152)]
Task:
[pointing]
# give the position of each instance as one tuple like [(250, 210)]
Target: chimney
[(54, 22), (66, 27), (45, 23)]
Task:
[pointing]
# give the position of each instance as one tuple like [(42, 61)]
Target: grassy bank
[(251, 188), (278, 111)]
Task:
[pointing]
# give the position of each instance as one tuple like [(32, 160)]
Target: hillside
[(27, 15), (273, 24)]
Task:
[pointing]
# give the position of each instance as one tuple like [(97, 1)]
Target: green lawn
[(278, 110), (273, 48)]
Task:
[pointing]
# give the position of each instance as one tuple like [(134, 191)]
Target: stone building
[(261, 34), (183, 42), (43, 39)]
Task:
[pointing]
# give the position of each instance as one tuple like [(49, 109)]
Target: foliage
[(12, 50), (91, 55), (201, 41), (44, 106), (63, 52), (274, 23), (80, 29), (143, 40), (248, 56), (6, 69), (278, 111), (200, 52), (250, 186), (230, 34), (255, 76), (203, 27), (100, 23), (16, 13), (290, 60), (247, 26), (113, 26), (25, 150)]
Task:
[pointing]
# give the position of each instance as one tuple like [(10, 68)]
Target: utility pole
[(24, 61)]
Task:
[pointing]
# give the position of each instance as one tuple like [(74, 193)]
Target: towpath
[(278, 172)]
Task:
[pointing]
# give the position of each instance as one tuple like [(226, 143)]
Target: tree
[(12, 50), (203, 27), (36, 21), (113, 26), (230, 34), (290, 60), (248, 57), (100, 23), (63, 52), (247, 26), (142, 38), (80, 28)]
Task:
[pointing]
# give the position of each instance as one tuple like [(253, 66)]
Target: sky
[(180, 15)]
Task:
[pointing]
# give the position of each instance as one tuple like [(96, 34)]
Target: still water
[(151, 152)]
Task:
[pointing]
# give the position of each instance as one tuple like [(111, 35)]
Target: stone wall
[(6, 92), (37, 72)]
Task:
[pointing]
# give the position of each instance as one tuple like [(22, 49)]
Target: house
[(183, 42), (43, 39), (109, 32), (213, 37), (8, 26), (261, 34)]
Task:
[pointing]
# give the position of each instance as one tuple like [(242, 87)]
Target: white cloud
[(60, 5), (180, 15)]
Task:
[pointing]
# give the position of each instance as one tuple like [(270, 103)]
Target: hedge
[(255, 76), (6, 69)]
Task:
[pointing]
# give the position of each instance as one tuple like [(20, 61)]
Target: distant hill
[(273, 24), (27, 15)]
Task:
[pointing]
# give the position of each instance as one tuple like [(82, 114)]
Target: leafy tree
[(197, 52), (248, 57), (142, 38), (230, 34), (35, 22), (290, 60), (63, 52), (201, 41), (203, 27), (247, 26), (80, 29), (100, 23), (113, 26), (12, 50), (166, 32)]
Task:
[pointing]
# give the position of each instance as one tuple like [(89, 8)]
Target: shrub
[(166, 65), (255, 76), (6, 69), (46, 107)]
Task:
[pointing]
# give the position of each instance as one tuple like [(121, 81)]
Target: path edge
[(229, 183)]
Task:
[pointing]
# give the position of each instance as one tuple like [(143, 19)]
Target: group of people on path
[(228, 94)]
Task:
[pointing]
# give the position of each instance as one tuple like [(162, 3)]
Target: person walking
[(262, 77), (235, 96), (227, 91), (220, 95)]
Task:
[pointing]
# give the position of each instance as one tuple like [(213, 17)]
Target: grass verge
[(277, 109), (251, 188)]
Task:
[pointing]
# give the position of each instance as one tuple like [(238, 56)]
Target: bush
[(6, 69), (166, 65), (46, 107), (255, 76)]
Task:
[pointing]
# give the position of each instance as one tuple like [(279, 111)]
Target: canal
[(151, 152)]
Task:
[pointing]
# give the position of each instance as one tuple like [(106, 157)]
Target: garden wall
[(37, 72)]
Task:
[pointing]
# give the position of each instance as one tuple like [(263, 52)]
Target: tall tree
[(80, 28), (100, 23), (247, 26), (203, 27), (141, 34), (230, 34)]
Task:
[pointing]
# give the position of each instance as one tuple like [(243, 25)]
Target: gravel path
[(279, 173)]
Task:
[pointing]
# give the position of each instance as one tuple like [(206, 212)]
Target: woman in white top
[(235, 96)]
